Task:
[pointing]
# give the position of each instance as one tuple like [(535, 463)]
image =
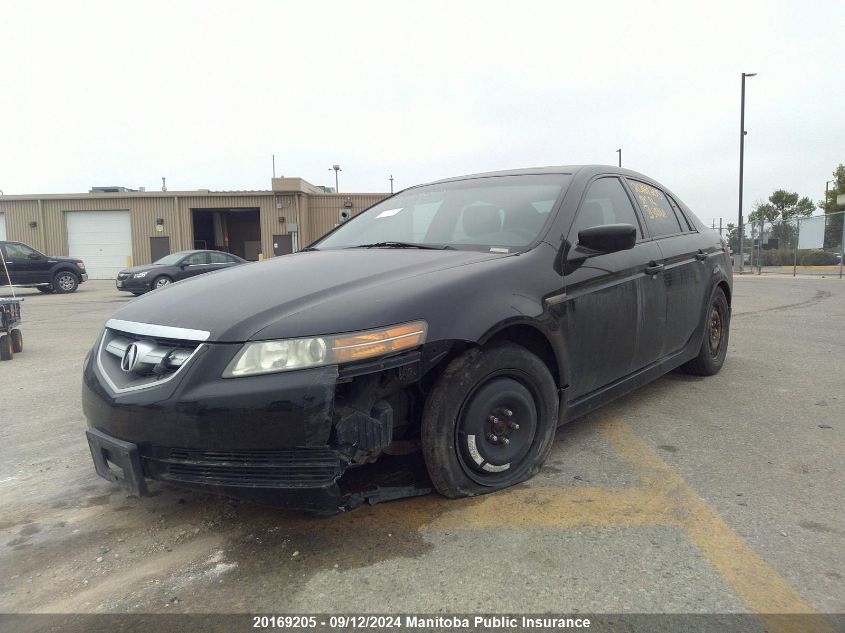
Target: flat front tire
[(714, 346), (489, 422)]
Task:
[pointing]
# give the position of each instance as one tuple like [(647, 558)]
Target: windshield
[(170, 260), (500, 214)]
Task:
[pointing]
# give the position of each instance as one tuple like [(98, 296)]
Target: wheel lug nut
[(493, 438), (508, 413), (505, 441), (514, 426), (493, 419)]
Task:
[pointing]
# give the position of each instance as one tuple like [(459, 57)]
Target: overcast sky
[(121, 93)]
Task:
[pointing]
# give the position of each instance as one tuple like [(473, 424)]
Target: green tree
[(780, 211), (833, 225), (732, 238)]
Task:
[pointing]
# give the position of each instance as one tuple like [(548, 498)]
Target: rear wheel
[(714, 347), (17, 341), (65, 282), (490, 421), (5, 347)]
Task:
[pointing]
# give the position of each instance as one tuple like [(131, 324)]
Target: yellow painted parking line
[(762, 588), (825, 267), (663, 499)]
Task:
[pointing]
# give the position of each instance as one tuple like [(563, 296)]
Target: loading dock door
[(102, 239), (2, 226)]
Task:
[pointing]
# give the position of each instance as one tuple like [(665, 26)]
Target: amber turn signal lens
[(378, 342)]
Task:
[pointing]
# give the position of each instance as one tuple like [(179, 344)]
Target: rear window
[(658, 212)]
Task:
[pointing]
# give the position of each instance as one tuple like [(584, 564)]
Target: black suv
[(31, 269)]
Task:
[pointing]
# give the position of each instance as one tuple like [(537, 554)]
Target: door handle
[(653, 268), (701, 256)]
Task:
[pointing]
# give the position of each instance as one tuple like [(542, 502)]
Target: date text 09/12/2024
[(413, 622)]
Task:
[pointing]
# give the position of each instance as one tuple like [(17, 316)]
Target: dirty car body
[(455, 324)]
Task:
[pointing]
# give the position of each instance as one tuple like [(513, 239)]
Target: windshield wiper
[(403, 245)]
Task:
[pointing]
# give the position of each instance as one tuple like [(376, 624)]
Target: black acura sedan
[(173, 267), (459, 323)]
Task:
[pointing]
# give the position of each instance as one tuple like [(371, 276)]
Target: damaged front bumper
[(284, 440)]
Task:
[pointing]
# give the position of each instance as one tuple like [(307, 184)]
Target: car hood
[(142, 268), (308, 293)]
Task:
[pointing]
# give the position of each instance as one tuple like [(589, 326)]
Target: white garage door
[(102, 239), (2, 226)]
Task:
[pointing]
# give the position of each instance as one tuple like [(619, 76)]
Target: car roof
[(202, 250), (560, 169)]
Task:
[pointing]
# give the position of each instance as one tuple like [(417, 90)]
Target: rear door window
[(659, 215), (195, 259), (683, 217)]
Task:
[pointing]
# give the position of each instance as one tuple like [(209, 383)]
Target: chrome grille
[(150, 355), (132, 357)]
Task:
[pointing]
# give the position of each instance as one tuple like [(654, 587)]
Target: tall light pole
[(391, 183), (336, 169), (742, 134), (619, 151)]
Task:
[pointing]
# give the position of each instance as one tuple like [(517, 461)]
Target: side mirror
[(608, 238)]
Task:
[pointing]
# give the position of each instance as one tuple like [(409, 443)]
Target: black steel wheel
[(6, 347), (496, 428), (17, 341), (489, 421), (714, 346), (65, 282)]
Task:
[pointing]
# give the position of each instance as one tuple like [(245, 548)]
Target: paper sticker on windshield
[(497, 249), (389, 213)]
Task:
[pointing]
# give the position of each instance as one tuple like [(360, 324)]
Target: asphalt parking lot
[(699, 495)]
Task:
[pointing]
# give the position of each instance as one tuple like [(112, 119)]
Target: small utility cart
[(11, 339)]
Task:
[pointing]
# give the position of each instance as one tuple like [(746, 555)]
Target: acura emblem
[(130, 358)]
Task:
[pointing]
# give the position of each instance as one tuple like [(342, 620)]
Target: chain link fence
[(801, 246)]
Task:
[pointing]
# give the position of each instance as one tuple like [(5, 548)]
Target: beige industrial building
[(111, 227)]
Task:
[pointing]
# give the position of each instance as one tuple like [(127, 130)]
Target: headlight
[(81, 265), (139, 275), (265, 357)]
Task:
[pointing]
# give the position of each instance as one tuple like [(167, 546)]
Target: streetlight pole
[(391, 183), (741, 159), (619, 151), (336, 169)]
